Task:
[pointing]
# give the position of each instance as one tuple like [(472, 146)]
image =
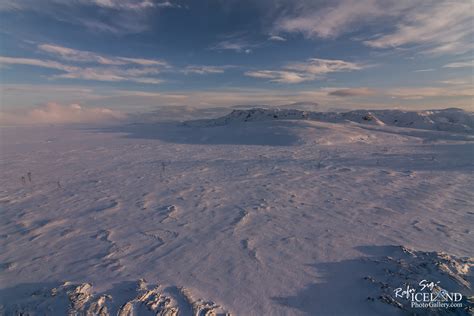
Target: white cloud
[(101, 26), (330, 21), (10, 5), (89, 73), (459, 81), (146, 80), (133, 4), (111, 74), (277, 38), (425, 70), (311, 69), (460, 64), (168, 4), (108, 68), (35, 62), (318, 66), (443, 27), (281, 76), (229, 45), (54, 113), (437, 27), (236, 45), (125, 16), (145, 62), (76, 55), (123, 4), (203, 69)]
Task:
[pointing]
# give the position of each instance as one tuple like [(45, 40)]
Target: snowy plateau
[(258, 212)]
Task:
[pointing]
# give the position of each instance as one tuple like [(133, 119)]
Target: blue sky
[(137, 54)]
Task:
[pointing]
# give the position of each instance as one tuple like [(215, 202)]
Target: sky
[(134, 55)]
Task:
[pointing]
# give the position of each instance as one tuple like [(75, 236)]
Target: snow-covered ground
[(298, 214)]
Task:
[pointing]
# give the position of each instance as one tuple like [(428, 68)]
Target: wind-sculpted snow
[(452, 120), (300, 221)]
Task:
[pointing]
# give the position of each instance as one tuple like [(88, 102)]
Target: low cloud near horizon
[(54, 113), (353, 92)]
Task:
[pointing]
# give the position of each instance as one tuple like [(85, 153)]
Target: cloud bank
[(352, 92), (54, 113)]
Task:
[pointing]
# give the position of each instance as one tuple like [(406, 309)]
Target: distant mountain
[(453, 120)]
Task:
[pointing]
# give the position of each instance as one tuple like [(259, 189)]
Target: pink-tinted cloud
[(54, 113)]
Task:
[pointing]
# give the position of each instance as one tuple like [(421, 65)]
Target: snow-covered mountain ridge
[(452, 120)]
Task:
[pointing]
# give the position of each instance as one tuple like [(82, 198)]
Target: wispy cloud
[(204, 70), (36, 62), (96, 25), (443, 27), (434, 27), (458, 81), (168, 4), (111, 74), (122, 4), (425, 70), (311, 69), (318, 66), (236, 45), (460, 64), (145, 62), (108, 16), (88, 65), (280, 76), (330, 21), (76, 55), (133, 5), (88, 73), (103, 68)]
